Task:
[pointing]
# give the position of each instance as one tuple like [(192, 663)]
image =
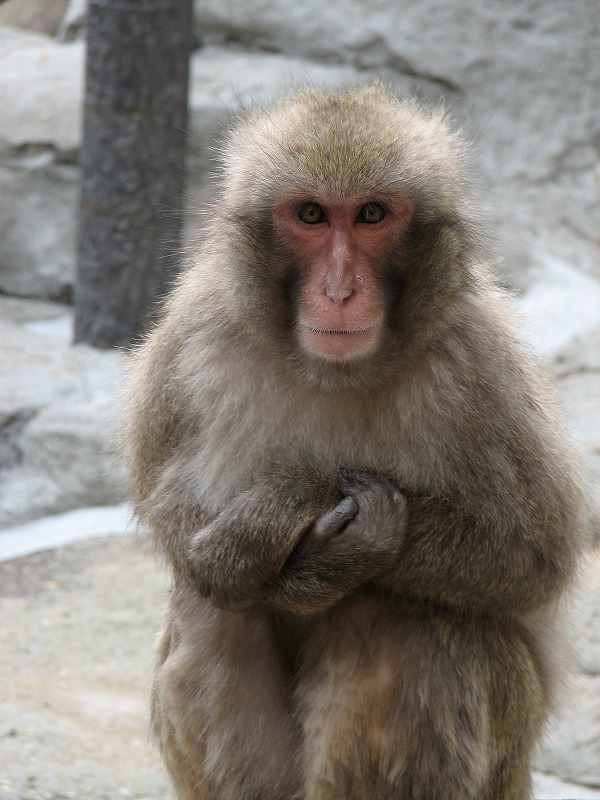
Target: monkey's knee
[(177, 725), (519, 703), (220, 707), (407, 702)]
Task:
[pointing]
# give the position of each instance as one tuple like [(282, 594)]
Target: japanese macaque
[(355, 472)]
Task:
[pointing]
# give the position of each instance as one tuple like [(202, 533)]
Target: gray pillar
[(132, 164)]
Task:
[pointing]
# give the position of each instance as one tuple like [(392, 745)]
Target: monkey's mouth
[(339, 343), (340, 331)]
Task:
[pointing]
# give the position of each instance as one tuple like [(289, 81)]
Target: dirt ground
[(77, 631), (76, 639)]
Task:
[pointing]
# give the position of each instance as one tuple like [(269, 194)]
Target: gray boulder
[(572, 748), (34, 15), (57, 419), (526, 76), (522, 78), (40, 97), (578, 369)]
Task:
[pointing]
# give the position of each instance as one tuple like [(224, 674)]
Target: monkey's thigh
[(412, 703), (220, 704)]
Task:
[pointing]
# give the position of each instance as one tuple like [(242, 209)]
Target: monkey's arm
[(507, 553), (235, 558), (510, 552), (297, 543), (502, 527)]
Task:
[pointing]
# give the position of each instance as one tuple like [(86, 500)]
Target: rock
[(41, 96), (586, 619), (582, 355), (65, 461), (41, 93), (37, 230), (549, 787), (572, 749), (581, 396), (73, 21), (561, 304), (34, 15), (57, 423), (524, 76)]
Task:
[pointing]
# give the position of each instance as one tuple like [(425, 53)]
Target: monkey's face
[(336, 251), (348, 239)]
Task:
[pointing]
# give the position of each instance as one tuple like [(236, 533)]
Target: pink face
[(342, 245)]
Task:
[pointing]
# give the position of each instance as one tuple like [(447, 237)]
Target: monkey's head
[(346, 216)]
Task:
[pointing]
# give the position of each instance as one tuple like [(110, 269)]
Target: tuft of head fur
[(344, 143)]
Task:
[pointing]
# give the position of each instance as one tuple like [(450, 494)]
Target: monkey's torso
[(427, 426)]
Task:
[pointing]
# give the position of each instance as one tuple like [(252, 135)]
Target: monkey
[(356, 472)]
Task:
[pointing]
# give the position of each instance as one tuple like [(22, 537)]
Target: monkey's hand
[(357, 541), (236, 558)]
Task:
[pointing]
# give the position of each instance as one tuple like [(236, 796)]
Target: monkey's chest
[(244, 443)]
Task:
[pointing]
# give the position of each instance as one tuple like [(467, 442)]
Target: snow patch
[(60, 529)]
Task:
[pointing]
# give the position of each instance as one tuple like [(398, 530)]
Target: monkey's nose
[(339, 288)]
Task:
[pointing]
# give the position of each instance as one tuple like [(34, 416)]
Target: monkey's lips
[(342, 342)]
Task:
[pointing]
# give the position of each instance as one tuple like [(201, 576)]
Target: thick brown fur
[(403, 648)]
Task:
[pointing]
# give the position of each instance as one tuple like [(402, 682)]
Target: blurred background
[(80, 607)]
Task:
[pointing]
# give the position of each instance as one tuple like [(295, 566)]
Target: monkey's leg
[(220, 705), (409, 703)]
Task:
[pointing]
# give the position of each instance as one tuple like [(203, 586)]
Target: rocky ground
[(79, 617), (78, 625)]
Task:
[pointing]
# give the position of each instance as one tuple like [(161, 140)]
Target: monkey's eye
[(311, 214), (371, 213)]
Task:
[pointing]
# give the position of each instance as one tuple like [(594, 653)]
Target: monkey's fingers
[(332, 522)]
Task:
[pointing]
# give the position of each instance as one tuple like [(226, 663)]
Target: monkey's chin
[(339, 345)]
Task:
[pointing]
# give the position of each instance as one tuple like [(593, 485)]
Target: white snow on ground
[(562, 304), (59, 529)]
